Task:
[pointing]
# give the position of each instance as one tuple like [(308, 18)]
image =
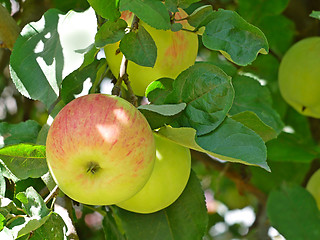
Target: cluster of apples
[(101, 150)]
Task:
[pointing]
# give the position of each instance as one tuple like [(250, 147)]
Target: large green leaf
[(48, 50), (139, 47), (231, 141), (173, 4), (110, 32), (106, 9), (24, 160), (23, 132), (251, 96), (238, 40), (294, 213), (110, 228), (185, 219), (208, 93), (154, 13)]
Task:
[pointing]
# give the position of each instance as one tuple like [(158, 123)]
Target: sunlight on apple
[(121, 116), (109, 133)]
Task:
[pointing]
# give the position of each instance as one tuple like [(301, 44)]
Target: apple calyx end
[(93, 167)]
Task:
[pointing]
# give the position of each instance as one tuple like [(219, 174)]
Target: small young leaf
[(25, 160), (315, 14), (158, 90), (288, 208), (238, 40), (185, 219), (23, 132), (110, 32), (208, 93), (106, 9), (152, 12), (139, 47)]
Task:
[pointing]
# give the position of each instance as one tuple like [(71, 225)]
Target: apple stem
[(93, 167)]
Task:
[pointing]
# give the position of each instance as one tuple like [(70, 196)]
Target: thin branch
[(230, 173), (52, 194)]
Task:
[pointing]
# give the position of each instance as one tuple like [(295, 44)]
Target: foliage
[(249, 147)]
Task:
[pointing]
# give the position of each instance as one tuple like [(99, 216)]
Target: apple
[(299, 73), (100, 149), (176, 51), (313, 186), (168, 179)]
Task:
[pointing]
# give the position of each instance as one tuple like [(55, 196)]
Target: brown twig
[(232, 174)]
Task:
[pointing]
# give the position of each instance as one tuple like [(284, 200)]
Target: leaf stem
[(52, 194)]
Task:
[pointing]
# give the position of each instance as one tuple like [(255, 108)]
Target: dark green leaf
[(290, 148), (185, 219), (208, 93), (154, 13), (252, 121), (106, 9), (173, 4), (201, 16), (53, 228), (110, 228), (139, 47), (73, 83), (294, 213), (49, 47), (258, 101), (232, 35), (25, 160), (253, 10), (23, 132), (90, 54), (233, 139), (110, 32)]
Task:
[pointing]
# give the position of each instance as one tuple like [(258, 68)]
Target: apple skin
[(299, 80), (313, 186), (100, 149), (176, 51), (168, 179)]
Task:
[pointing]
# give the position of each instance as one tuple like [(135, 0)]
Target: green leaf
[(110, 32), (231, 141), (158, 90), (2, 185), (208, 93), (152, 12), (106, 9), (252, 121), (248, 8), (50, 48), (90, 54), (185, 219), (291, 148), (110, 228), (73, 83), (165, 110), (280, 32), (238, 40), (53, 228), (159, 115), (139, 47), (201, 16), (258, 101), (23, 132), (174, 4), (25, 160), (33, 203), (315, 14), (294, 213)]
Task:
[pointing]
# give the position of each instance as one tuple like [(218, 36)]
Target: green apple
[(168, 179), (100, 149), (299, 77), (313, 186), (176, 51)]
